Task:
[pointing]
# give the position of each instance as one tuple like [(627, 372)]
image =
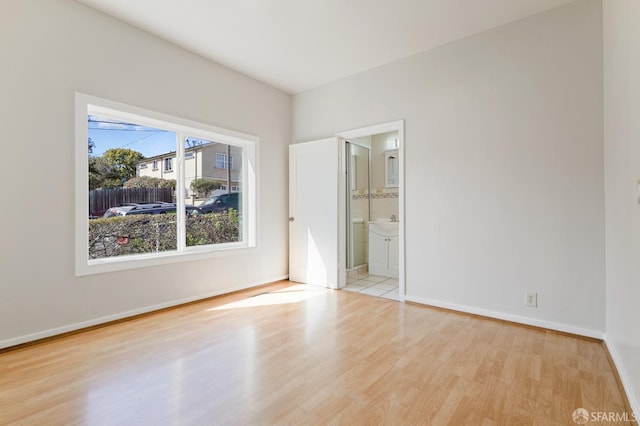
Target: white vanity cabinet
[(383, 249)]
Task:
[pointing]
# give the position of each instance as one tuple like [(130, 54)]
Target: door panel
[(313, 212), (394, 256), (378, 254)]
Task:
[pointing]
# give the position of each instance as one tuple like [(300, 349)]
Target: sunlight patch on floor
[(293, 294)]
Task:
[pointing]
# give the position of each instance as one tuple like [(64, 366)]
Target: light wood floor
[(306, 356)]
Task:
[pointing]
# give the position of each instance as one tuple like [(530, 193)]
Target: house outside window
[(155, 165), (168, 164)]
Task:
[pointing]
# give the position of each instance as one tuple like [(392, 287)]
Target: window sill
[(123, 263)]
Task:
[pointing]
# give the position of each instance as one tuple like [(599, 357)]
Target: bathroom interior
[(372, 215)]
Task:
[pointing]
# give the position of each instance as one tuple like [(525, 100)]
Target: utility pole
[(229, 169)]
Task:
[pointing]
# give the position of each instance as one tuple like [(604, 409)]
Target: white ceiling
[(296, 45)]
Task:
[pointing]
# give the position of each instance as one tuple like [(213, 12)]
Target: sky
[(107, 133)]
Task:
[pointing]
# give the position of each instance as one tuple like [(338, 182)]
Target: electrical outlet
[(531, 299)]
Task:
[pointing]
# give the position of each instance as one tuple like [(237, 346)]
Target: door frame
[(342, 194)]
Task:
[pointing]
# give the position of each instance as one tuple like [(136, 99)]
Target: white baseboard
[(624, 377), (618, 365), (508, 317), (90, 323)]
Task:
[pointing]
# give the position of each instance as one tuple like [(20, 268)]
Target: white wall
[(504, 165), (51, 49), (622, 173)]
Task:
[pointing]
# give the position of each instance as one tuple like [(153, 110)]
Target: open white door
[(313, 212)]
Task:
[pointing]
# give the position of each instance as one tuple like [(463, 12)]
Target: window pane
[(221, 160), (215, 215), (131, 205)]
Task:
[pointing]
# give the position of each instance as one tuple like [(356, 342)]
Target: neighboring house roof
[(172, 154)]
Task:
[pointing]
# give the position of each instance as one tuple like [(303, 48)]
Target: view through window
[(157, 187)]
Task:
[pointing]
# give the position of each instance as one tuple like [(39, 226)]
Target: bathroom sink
[(388, 229)]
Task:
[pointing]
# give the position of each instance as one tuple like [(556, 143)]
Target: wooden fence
[(102, 199)]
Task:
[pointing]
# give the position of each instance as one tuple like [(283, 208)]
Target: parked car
[(149, 208), (221, 203)]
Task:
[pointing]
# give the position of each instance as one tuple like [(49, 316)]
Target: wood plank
[(291, 354)]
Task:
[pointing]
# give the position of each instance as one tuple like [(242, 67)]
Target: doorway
[(371, 211)]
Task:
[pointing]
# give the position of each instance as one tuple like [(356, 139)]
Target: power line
[(131, 130), (138, 140), (128, 127)]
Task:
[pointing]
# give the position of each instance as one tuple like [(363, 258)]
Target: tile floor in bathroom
[(360, 281)]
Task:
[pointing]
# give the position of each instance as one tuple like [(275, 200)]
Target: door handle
[(292, 219)]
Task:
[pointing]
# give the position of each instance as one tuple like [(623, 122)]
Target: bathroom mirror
[(391, 172)]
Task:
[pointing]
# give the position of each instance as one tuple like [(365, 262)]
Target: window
[(155, 222), (188, 154), (234, 188), (221, 160)]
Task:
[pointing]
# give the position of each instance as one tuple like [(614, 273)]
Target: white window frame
[(155, 165), (224, 161), (86, 105)]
